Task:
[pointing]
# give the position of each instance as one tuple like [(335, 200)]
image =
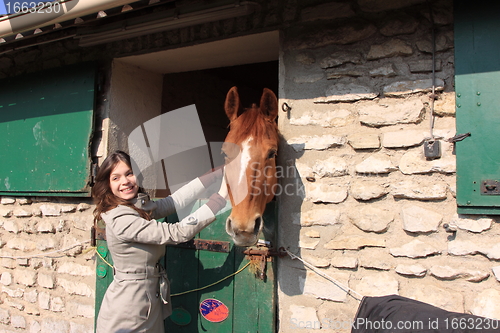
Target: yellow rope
[(213, 284), (188, 291)]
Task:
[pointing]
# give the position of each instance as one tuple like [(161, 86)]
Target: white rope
[(348, 290), (46, 255)]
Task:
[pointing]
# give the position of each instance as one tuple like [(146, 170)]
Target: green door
[(477, 78), (250, 300)]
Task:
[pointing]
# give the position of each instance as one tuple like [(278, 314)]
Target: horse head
[(250, 152)]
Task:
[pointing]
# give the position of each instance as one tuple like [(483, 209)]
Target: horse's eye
[(272, 154)]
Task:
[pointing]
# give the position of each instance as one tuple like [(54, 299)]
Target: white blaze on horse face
[(236, 171), (245, 159)]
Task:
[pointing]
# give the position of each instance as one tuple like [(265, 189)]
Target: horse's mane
[(253, 123)]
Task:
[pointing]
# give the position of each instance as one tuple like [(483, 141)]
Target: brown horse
[(250, 151)]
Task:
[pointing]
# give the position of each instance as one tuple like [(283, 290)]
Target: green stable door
[(241, 302)]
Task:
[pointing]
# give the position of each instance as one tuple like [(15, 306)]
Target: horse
[(250, 151)]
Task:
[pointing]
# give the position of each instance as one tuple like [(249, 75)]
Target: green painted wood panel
[(46, 123), (244, 294), (477, 78)]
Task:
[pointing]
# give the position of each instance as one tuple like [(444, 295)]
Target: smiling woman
[(138, 299)]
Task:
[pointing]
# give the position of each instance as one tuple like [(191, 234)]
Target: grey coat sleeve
[(179, 199), (128, 226)]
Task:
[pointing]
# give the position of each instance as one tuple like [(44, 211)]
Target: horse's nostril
[(258, 222)]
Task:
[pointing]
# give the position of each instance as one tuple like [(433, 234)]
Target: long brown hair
[(104, 198)]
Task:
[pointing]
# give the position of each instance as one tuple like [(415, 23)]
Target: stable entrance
[(210, 274)]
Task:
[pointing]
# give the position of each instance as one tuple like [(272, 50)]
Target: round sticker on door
[(213, 310)]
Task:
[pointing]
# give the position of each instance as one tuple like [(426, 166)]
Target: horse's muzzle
[(244, 234)]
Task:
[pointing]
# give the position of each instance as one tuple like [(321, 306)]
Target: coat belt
[(151, 272)]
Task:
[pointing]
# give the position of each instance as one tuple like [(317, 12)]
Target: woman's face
[(122, 182)]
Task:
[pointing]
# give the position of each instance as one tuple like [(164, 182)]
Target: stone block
[(80, 309), (46, 280), (376, 164), (403, 139), (11, 226), (411, 87), (420, 220), (320, 216), (21, 212), (75, 269), (317, 261), (80, 328), (4, 316), (44, 300), (354, 242), (312, 234), (72, 245), (380, 284), (315, 142), (311, 78), (487, 304), (51, 325), (414, 162), (57, 304), (472, 223), (372, 219), (82, 207), (375, 6), (389, 49), (5, 212), (323, 192), (14, 293), (424, 66), (302, 316), (342, 92), (24, 201), (411, 270), (444, 106), (450, 300), (31, 296), (339, 58), (75, 287), (364, 141), (18, 322), (46, 226), (308, 243), (402, 24), (6, 278), (338, 73), (50, 210), (331, 167), (414, 249), (391, 112), (45, 243), (383, 71), (305, 58), (21, 244), (419, 189), (322, 288), (335, 118), (25, 277), (8, 200), (367, 190), (344, 262)]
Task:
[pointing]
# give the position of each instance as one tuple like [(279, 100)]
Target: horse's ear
[(232, 104), (269, 104)]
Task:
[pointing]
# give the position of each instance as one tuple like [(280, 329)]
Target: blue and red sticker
[(214, 310)]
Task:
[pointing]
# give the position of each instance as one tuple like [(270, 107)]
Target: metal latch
[(490, 187), (207, 245), (260, 256)]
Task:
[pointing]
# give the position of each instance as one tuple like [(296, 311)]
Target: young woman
[(138, 299)]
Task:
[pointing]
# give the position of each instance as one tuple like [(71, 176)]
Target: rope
[(348, 290), (213, 284), (188, 291)]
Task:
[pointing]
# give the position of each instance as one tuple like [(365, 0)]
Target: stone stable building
[(358, 200)]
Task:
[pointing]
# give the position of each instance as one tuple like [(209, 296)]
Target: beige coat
[(133, 301)]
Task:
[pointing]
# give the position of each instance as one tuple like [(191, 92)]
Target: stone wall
[(366, 207), (47, 277)]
